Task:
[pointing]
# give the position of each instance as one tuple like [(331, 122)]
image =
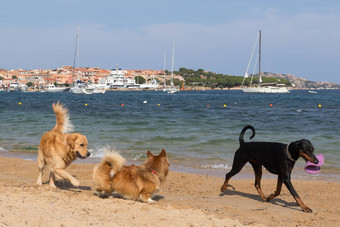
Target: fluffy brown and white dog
[(132, 182), (58, 149)]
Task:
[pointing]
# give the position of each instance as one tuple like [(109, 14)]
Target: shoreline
[(192, 89), (326, 175), (184, 200)]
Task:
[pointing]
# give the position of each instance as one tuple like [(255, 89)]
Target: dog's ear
[(301, 145), (163, 153), (71, 140), (149, 154)]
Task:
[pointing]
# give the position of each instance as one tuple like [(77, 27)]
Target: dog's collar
[(289, 155), (154, 172)]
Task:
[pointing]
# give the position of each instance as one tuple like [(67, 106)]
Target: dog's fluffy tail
[(63, 124), (244, 130), (113, 160)]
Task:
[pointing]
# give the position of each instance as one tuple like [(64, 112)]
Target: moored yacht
[(118, 80), (53, 88)]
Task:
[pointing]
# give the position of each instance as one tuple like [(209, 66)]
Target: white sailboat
[(79, 86), (261, 87), (172, 89), (164, 86)]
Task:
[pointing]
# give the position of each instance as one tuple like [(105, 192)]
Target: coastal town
[(40, 79)]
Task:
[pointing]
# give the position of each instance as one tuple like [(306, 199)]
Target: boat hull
[(267, 89), (82, 90), (57, 89)]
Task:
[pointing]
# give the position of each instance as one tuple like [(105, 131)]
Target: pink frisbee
[(315, 168)]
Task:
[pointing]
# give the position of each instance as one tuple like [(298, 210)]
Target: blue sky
[(300, 37)]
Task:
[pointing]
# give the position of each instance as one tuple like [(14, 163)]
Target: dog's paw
[(224, 188), (52, 185), (270, 197), (307, 210), (149, 200), (75, 183)]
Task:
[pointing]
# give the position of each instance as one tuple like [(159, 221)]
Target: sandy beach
[(184, 200)]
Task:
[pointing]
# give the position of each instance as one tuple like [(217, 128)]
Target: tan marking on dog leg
[(277, 191), (303, 206), (258, 176), (225, 185)]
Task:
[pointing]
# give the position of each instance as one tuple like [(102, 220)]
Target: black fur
[(277, 158)]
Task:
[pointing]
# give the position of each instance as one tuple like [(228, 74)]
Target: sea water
[(198, 129)]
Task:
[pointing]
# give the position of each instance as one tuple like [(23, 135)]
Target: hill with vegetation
[(203, 78), (299, 82)]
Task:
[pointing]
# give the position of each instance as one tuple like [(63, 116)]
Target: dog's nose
[(88, 154), (316, 161)]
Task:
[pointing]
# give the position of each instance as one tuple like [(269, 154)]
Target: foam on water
[(3, 149), (216, 166)]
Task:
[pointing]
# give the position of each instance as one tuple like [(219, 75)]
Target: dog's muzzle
[(82, 157)]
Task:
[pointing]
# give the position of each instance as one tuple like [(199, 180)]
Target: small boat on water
[(99, 88), (82, 88), (14, 86), (53, 88), (313, 92)]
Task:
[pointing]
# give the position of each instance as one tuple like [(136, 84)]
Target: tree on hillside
[(139, 80), (201, 71)]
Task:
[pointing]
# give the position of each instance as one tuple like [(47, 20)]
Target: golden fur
[(58, 149), (132, 182)]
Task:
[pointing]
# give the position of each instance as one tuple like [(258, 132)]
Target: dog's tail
[(244, 130), (112, 160), (63, 124)]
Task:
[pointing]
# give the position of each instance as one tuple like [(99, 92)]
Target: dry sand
[(184, 200)]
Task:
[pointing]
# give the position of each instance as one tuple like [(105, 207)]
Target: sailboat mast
[(164, 72), (172, 63), (260, 80), (76, 56)]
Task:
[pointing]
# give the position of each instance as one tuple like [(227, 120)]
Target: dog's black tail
[(244, 130)]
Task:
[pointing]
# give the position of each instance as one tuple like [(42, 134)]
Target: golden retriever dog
[(58, 149), (132, 182)]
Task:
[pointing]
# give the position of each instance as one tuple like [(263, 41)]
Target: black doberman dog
[(277, 158)]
